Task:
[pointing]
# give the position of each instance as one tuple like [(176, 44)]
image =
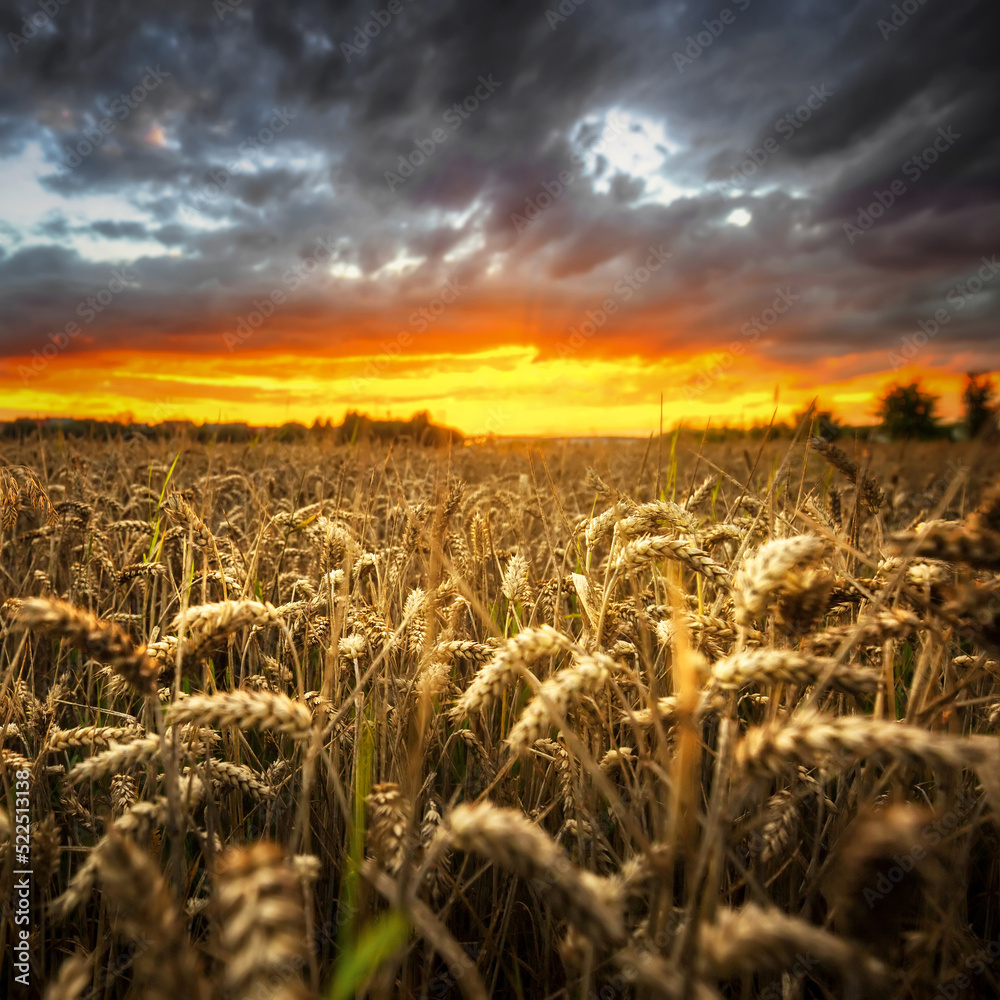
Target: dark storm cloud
[(282, 121), (119, 230)]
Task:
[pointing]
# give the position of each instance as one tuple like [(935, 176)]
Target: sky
[(527, 218)]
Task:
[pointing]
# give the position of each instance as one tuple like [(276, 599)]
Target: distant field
[(609, 719)]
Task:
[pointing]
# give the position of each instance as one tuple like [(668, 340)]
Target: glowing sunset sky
[(525, 218)]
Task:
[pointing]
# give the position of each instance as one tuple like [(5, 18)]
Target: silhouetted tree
[(978, 396), (908, 411)]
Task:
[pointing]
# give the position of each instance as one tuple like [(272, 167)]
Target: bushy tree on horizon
[(907, 411), (978, 397)]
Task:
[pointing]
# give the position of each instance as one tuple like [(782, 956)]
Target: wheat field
[(638, 719)]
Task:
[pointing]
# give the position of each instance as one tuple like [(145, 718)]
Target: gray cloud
[(352, 115)]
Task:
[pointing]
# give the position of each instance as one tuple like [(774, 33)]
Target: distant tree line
[(356, 427)]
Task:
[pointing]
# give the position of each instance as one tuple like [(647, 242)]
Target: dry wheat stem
[(590, 903), (755, 938), (776, 666), (102, 640), (809, 738), (507, 666), (246, 709)]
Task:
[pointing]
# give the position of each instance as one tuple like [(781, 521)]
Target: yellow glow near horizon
[(509, 389)]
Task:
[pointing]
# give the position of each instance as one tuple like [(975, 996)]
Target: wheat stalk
[(643, 550), (776, 666), (260, 924), (592, 904), (587, 675), (764, 572), (167, 966), (245, 709), (763, 938), (507, 666), (810, 738), (103, 640)]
